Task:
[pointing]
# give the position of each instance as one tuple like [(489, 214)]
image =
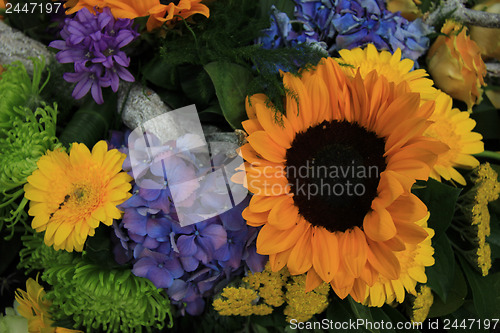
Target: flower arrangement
[(242, 165)]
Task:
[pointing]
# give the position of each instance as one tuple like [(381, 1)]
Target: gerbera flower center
[(334, 170), (166, 2)]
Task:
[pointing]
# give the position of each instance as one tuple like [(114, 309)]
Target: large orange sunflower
[(332, 177)]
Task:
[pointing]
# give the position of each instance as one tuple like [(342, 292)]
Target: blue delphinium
[(191, 261), (93, 44), (347, 24)]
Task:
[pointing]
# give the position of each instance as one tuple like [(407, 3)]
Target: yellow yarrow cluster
[(301, 306), (422, 304), (240, 302), (261, 292), (269, 285), (484, 258), (472, 218)]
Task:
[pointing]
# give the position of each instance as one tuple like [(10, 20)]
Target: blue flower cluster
[(347, 24), (191, 262)]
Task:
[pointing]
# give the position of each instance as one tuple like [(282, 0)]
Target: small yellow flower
[(34, 307), (302, 305), (472, 217), (240, 302), (269, 285), (484, 258), (422, 304), (413, 258), (454, 128), (71, 194), (488, 39), (454, 62)]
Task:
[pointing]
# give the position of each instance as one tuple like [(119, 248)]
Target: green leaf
[(212, 114), (362, 312), (196, 84), (440, 199), (485, 291), (487, 119), (91, 123), (286, 6), (339, 312), (494, 238), (439, 278), (10, 251), (230, 81), (161, 73), (397, 317), (379, 316), (455, 299), (99, 249)]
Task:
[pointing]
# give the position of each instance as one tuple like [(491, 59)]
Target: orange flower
[(299, 167), (34, 307), (455, 63), (2, 6), (158, 12)]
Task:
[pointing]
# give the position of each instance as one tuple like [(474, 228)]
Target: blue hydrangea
[(347, 24), (191, 261)]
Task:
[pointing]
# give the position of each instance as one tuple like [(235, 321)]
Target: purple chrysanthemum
[(93, 44)]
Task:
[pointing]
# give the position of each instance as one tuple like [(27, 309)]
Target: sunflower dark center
[(334, 170)]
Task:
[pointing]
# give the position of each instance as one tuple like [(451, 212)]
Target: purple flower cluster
[(347, 24), (93, 44), (191, 262)]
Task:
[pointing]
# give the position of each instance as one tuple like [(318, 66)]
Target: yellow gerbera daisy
[(34, 307), (454, 128), (451, 126), (71, 194), (413, 260), (389, 65), (339, 134)]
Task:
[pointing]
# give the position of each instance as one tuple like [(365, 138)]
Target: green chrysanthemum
[(27, 139), (27, 131), (109, 300), (17, 88), (36, 256)]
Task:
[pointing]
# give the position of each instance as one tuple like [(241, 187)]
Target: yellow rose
[(408, 8), (488, 39), (454, 62)]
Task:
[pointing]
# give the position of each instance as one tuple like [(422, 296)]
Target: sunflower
[(159, 12), (451, 126), (71, 194), (332, 177), (35, 308), (413, 260)]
